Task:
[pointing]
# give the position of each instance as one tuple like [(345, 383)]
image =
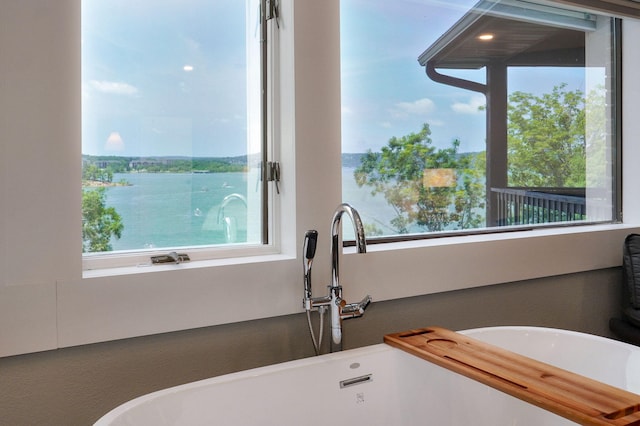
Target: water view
[(176, 209), (184, 209)]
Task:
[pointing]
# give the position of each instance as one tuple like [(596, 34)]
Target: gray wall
[(75, 386)]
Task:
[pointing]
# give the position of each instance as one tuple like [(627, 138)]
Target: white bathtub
[(381, 385)]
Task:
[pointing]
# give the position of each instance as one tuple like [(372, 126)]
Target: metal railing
[(523, 206)]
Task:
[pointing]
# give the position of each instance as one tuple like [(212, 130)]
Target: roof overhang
[(524, 34)]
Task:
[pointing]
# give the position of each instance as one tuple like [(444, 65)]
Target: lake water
[(161, 210), (175, 209)]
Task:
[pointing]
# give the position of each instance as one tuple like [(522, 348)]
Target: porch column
[(496, 113)]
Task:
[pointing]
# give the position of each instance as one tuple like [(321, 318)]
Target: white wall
[(39, 121), (45, 302)]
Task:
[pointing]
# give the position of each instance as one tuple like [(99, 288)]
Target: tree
[(99, 223), (596, 144), (398, 172), (92, 172), (546, 148), (546, 139), (470, 194)]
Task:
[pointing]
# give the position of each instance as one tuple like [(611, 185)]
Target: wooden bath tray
[(567, 394)]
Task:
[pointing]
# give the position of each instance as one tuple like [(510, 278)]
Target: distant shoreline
[(101, 184)]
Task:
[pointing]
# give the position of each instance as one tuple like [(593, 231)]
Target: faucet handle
[(364, 303), (355, 310)]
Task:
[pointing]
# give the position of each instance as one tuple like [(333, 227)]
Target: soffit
[(517, 41)]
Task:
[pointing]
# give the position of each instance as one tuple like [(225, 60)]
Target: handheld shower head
[(308, 253), (310, 243)]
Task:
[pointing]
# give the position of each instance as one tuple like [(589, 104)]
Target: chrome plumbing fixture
[(340, 309), (309, 252), (321, 303)]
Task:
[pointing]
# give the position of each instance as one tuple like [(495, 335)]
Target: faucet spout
[(339, 308), (358, 228)]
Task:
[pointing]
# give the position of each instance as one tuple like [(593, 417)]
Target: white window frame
[(132, 261), (47, 303)]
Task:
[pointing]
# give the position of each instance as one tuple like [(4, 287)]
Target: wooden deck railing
[(522, 206)]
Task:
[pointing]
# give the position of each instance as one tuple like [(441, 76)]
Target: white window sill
[(124, 303), (406, 269), (108, 266), (502, 236)]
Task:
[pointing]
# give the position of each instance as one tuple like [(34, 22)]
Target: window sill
[(502, 236), (456, 263), (122, 302), (107, 266)]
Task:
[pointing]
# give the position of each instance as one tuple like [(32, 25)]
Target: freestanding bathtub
[(381, 385)]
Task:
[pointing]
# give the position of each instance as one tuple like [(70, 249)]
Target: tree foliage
[(94, 173), (597, 145), (398, 172), (546, 139), (99, 223), (546, 148)]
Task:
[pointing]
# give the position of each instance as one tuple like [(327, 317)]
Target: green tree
[(90, 172), (596, 138), (470, 194), (99, 223), (547, 146), (107, 175), (546, 139), (398, 172)]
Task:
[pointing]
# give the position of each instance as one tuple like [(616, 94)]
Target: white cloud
[(420, 107), (436, 123), (471, 107), (114, 87)]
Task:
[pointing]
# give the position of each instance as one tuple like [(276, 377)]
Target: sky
[(164, 77), (168, 77), (386, 93)]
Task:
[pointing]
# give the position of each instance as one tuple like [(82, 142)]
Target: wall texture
[(75, 386)]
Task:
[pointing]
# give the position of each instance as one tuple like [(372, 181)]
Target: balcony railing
[(523, 206)]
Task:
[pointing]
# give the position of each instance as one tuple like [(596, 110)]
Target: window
[(48, 302), (466, 115), (172, 129)]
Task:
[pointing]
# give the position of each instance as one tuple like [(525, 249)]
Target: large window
[(48, 302), (172, 126), (464, 115)]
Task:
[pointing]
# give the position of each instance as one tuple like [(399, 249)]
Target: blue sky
[(164, 77), (167, 77), (385, 92)]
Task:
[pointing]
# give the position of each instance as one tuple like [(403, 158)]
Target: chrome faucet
[(340, 309)]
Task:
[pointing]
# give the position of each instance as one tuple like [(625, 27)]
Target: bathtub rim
[(119, 410), (474, 332)]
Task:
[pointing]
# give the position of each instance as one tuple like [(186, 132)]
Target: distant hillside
[(174, 164), (209, 164)]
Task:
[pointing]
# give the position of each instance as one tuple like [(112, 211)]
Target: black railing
[(523, 206)]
